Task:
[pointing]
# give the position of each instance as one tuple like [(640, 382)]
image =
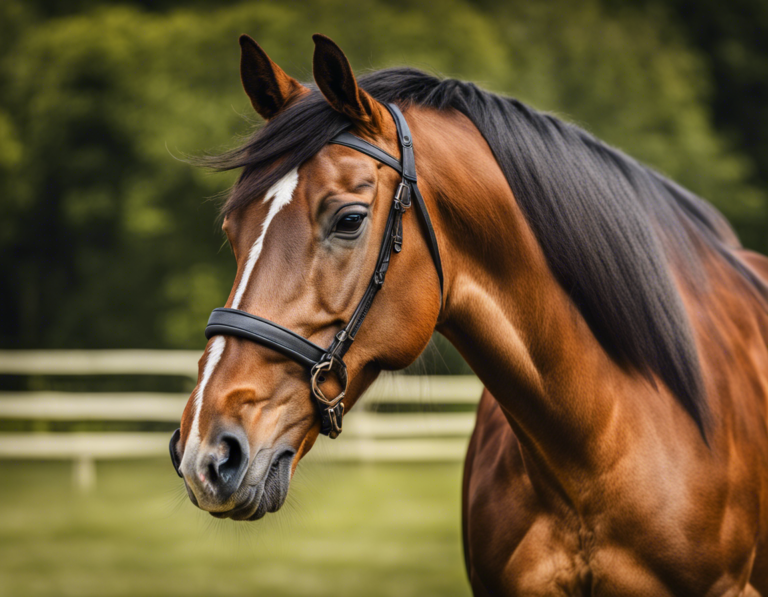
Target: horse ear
[(267, 85), (337, 83)]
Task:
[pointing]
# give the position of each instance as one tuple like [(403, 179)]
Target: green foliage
[(107, 239), (731, 38), (628, 77)]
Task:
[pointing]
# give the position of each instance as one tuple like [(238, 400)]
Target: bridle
[(319, 361)]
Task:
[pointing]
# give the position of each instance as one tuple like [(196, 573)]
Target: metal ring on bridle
[(329, 365)]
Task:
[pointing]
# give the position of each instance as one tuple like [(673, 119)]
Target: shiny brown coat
[(583, 477)]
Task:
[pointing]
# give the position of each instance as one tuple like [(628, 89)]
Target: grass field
[(347, 530)]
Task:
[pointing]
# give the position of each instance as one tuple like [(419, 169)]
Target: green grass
[(347, 530)]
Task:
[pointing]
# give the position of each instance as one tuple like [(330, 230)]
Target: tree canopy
[(109, 238)]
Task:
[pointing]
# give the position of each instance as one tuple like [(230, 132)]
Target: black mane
[(608, 225)]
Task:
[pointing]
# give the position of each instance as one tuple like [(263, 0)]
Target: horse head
[(307, 237)]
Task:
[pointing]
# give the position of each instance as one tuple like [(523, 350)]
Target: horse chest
[(520, 540), (547, 561), (541, 554)]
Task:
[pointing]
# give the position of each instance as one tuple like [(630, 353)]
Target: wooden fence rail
[(429, 434)]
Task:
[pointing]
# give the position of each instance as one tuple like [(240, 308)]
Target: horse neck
[(509, 317)]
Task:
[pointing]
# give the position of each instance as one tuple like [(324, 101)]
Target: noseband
[(320, 361)]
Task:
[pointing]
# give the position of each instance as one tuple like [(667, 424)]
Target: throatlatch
[(319, 361)]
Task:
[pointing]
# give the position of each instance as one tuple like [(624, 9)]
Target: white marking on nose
[(214, 355), (280, 194)]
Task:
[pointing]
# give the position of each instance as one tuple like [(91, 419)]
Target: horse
[(618, 326)]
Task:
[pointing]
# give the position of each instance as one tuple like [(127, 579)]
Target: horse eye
[(349, 223)]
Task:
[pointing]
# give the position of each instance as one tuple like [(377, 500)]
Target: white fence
[(426, 435)]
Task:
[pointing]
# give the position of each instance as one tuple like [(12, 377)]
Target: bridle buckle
[(331, 409), (403, 196), (330, 419)]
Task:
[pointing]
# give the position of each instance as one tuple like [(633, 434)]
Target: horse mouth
[(267, 496)]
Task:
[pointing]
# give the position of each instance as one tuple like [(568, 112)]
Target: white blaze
[(214, 355), (280, 195)]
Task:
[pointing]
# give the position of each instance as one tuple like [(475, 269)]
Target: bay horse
[(621, 446)]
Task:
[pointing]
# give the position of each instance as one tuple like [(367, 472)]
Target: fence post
[(84, 474)]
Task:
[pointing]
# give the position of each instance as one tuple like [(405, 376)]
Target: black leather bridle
[(233, 322)]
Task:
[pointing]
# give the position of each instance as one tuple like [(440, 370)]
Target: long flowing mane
[(609, 226)]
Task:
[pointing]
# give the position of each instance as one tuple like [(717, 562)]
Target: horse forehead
[(333, 168), (336, 164), (247, 223)]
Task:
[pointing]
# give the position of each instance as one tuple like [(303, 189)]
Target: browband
[(233, 322), (349, 140)]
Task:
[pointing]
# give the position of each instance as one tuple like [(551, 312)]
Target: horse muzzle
[(222, 479)]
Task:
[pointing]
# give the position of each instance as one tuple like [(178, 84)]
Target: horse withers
[(622, 332)]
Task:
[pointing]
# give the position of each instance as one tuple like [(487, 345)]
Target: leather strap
[(353, 141), (346, 336), (421, 208), (406, 143), (233, 322), (407, 169)]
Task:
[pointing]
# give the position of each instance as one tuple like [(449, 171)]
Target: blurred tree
[(732, 41), (106, 239), (627, 74)]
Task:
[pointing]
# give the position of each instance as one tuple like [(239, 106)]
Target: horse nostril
[(230, 458), (217, 471)]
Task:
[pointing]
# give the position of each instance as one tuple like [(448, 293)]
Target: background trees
[(108, 239)]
